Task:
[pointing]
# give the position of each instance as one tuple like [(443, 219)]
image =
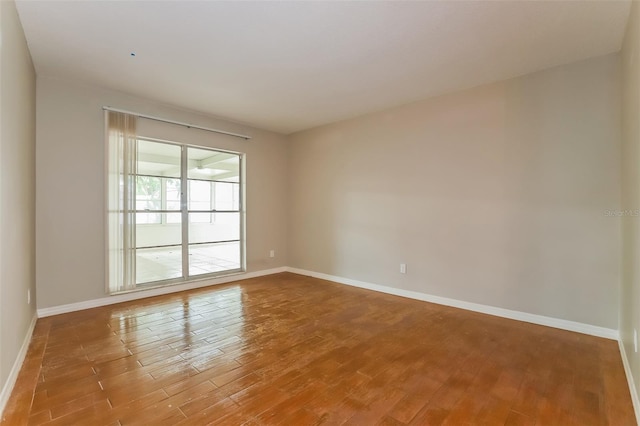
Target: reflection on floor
[(165, 263)]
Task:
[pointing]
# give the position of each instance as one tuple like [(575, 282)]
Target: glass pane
[(158, 159), (172, 194), (173, 217), (148, 218), (172, 201), (220, 227), (205, 164), (148, 193), (226, 196), (200, 217), (150, 232), (199, 195), (158, 264), (210, 258)]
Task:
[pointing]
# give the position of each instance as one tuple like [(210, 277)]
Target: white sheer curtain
[(121, 236)]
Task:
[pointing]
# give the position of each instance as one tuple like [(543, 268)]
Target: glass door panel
[(214, 203), (158, 212)]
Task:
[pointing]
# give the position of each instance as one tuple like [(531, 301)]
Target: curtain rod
[(179, 123)]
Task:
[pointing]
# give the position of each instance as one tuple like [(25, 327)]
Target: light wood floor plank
[(293, 350)]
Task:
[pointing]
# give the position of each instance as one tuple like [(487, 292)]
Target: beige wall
[(17, 187), (495, 195), (630, 294), (70, 185)]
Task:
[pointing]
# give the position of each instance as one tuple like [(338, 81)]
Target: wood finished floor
[(293, 350)]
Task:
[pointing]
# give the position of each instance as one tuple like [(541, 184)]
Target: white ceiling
[(288, 66)]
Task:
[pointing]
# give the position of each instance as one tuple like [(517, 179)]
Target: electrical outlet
[(635, 340), (403, 268), (272, 253), (28, 296)]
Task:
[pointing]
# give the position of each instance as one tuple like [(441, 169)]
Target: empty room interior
[(305, 213)]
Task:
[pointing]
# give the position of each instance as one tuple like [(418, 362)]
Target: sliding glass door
[(188, 212), (213, 211)]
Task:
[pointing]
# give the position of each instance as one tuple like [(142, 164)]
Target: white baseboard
[(632, 386), (125, 297), (476, 307), (17, 365)]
